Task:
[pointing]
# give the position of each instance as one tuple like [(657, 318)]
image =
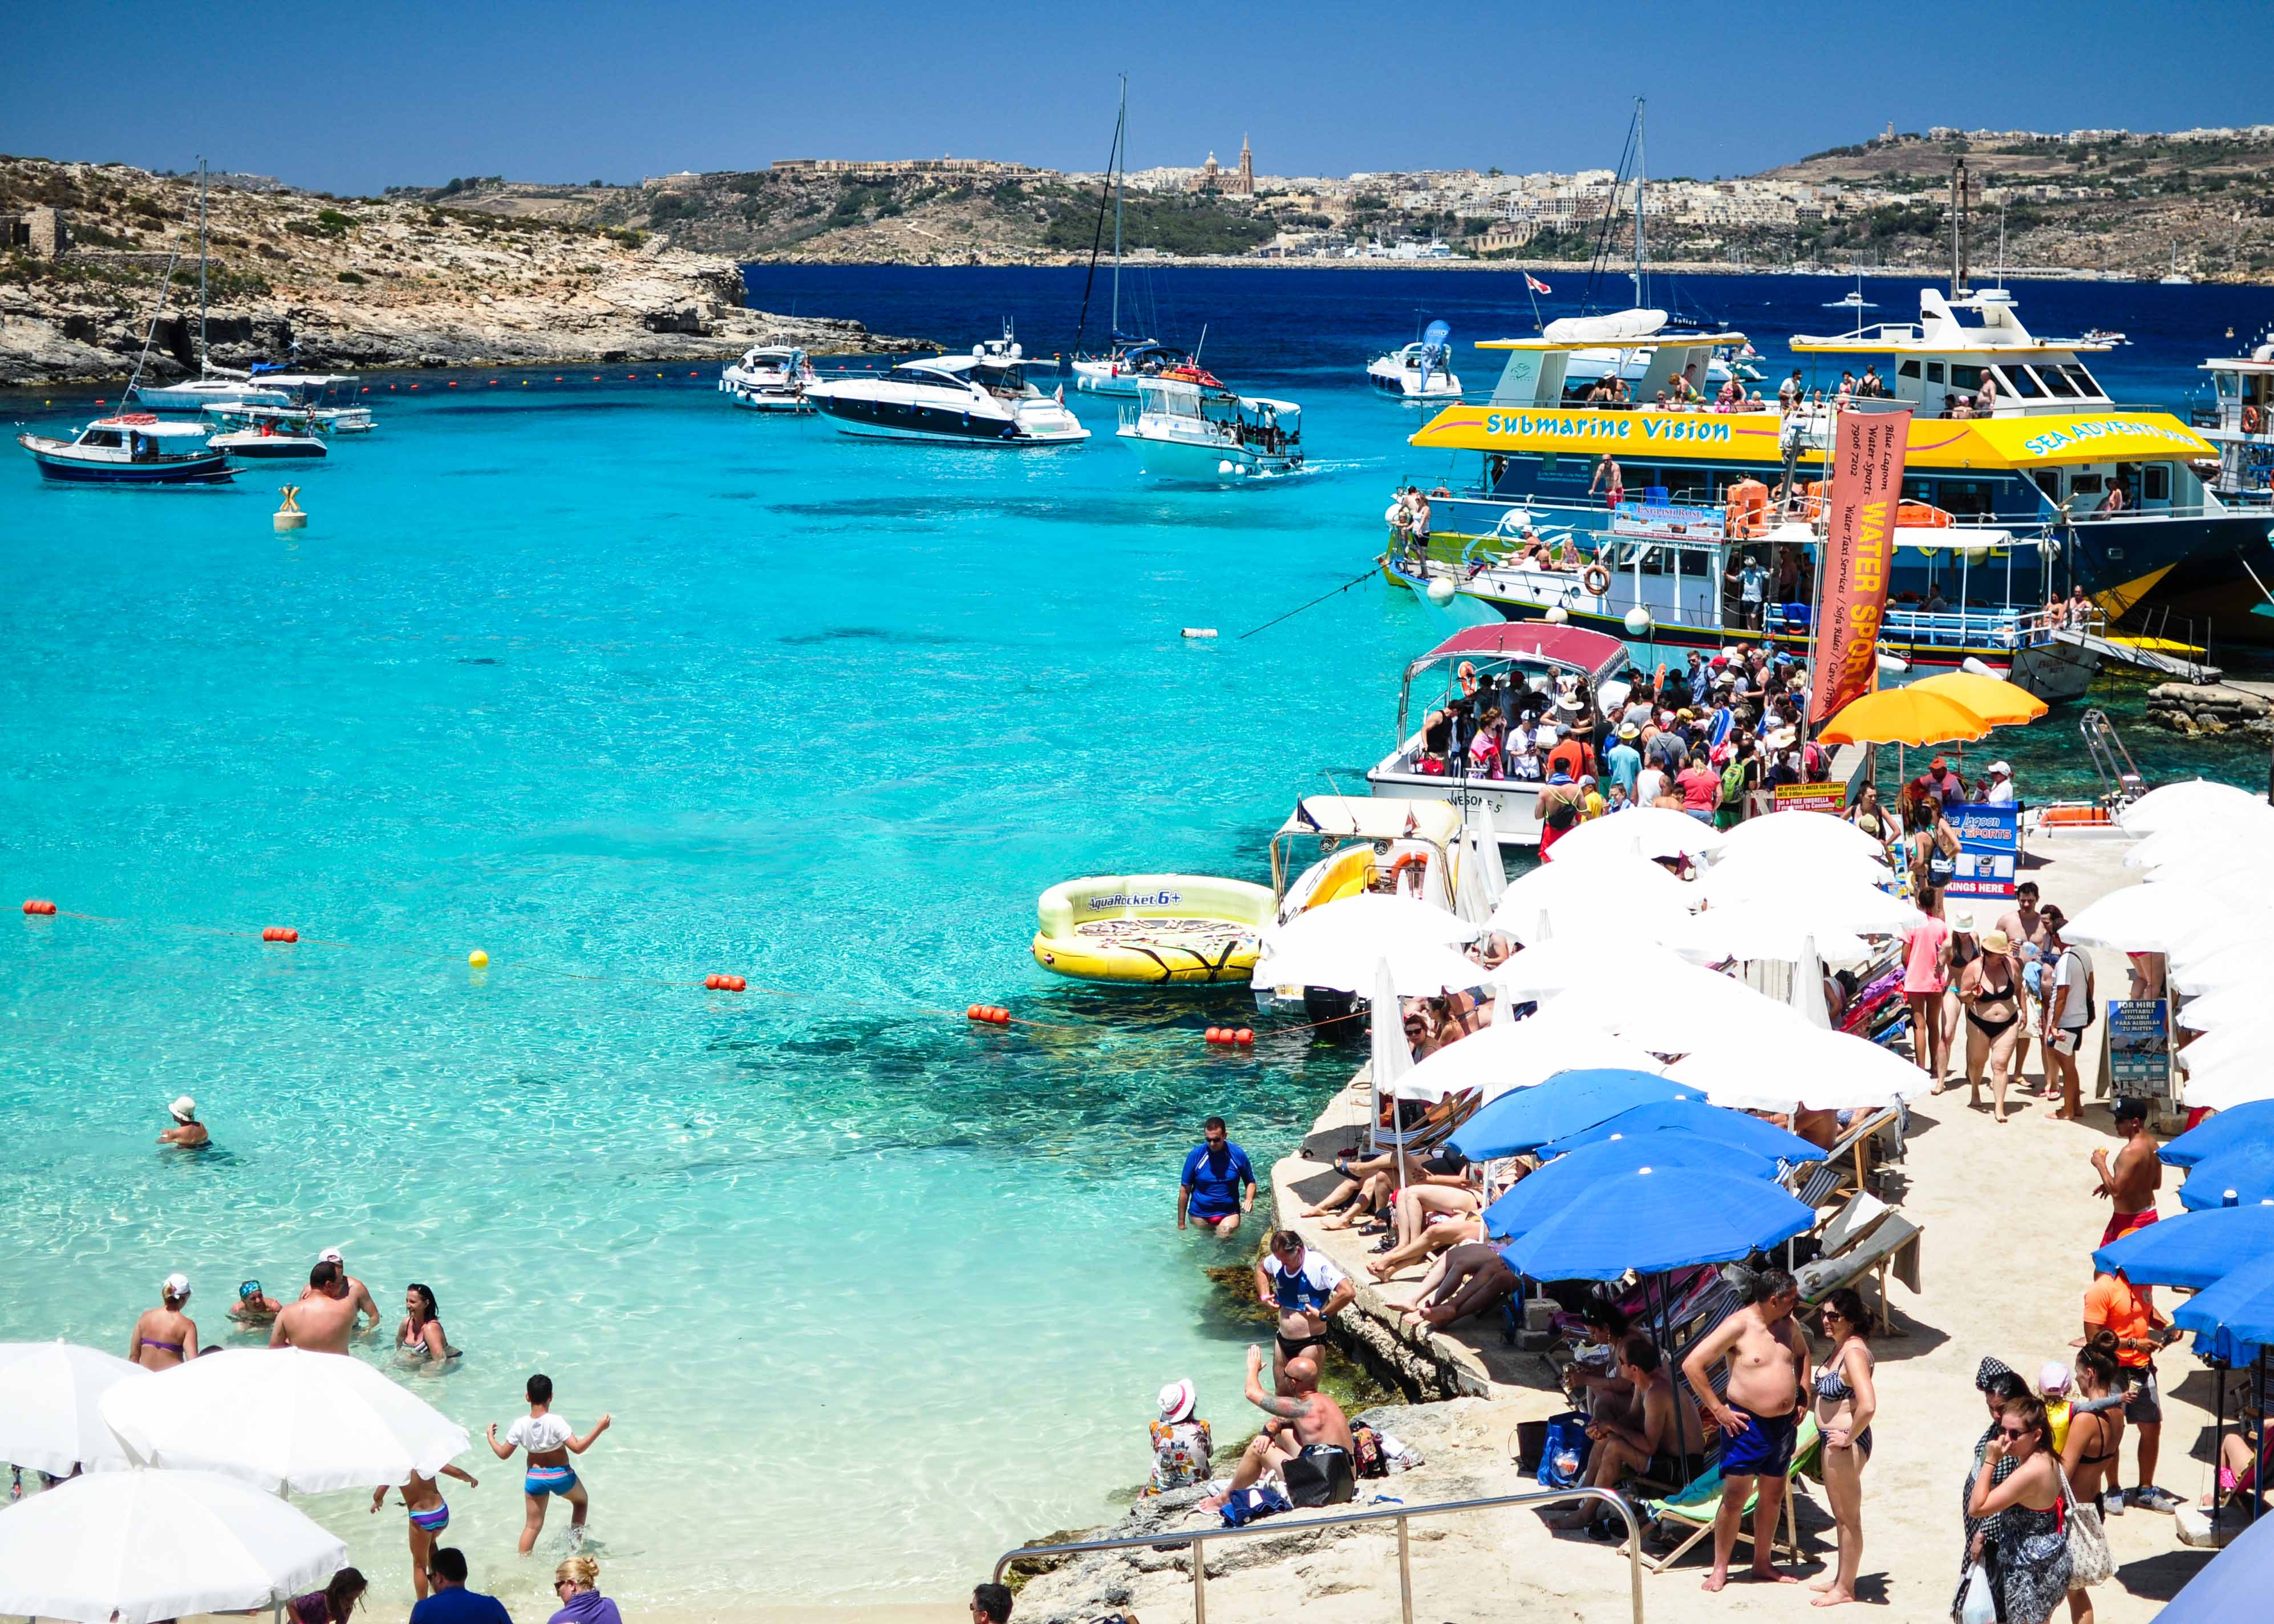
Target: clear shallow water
[(625, 688)]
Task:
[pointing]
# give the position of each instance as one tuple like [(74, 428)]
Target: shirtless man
[(2025, 930), (1307, 1289), (1317, 1421), (187, 1131), (324, 1318), (359, 1293), (2132, 1180), (1669, 1443), (1766, 1350)]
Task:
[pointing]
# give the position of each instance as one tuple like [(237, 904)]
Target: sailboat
[(1127, 357), (2178, 278), (214, 386)]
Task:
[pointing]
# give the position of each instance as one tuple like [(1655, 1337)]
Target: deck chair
[(1891, 1245), (1695, 1506), (1845, 1165)]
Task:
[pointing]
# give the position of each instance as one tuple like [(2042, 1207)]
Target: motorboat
[(769, 378), (1544, 670), (1152, 930), (273, 441), (327, 420), (328, 398), (981, 399), (1126, 362), (1422, 371), (130, 449), (1188, 427)]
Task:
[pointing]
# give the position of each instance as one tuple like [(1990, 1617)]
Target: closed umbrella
[(1698, 1120), (1549, 1191), (1657, 1218), (135, 1546), (1522, 1121), (2244, 1125), (48, 1414), (2191, 801), (1903, 715), (1830, 1070), (1996, 701), (2192, 1249), (2245, 1170), (1508, 1055), (283, 1419)]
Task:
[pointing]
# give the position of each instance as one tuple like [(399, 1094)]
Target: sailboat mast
[(201, 268), (1642, 166), (1121, 146)]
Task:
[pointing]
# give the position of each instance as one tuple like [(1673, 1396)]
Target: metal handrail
[(1193, 1539)]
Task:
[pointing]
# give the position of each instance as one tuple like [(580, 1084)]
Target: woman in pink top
[(1926, 971)]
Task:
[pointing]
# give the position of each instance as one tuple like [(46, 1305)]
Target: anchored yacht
[(980, 399), (1190, 428), (1422, 371), (770, 378)]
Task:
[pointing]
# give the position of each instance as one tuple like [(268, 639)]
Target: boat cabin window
[(1934, 372), (1966, 499), (927, 375), (2085, 382), (2049, 481), (1965, 376), (2081, 484), (2019, 381), (101, 437), (2056, 381), (1909, 369), (2156, 482)]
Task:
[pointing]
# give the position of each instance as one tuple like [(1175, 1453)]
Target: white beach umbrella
[(2235, 1004), (2195, 801), (1417, 969), (1782, 833), (1764, 929), (1759, 875), (2226, 836), (135, 1546), (1562, 963), (1372, 918), (2162, 916), (1615, 895), (1827, 1071), (1675, 1012), (49, 1415), (2226, 1087), (1806, 994), (2243, 964), (1520, 1054), (283, 1419), (1649, 833)]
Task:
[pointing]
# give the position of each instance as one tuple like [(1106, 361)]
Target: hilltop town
[(2087, 202)]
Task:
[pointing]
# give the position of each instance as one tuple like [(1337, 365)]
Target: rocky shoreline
[(2213, 708)]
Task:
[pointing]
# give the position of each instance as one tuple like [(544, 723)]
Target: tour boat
[(770, 378), (1190, 428), (1422, 371), (2239, 422), (328, 399), (131, 448), (982, 399), (1539, 664), (2038, 462), (324, 419)]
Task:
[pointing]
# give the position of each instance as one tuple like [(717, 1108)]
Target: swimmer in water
[(429, 1516), (420, 1335), (187, 1131), (165, 1337), (550, 1441), (359, 1293), (254, 1306)]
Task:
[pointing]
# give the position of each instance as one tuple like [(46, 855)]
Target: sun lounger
[(1695, 1509), (1846, 1165), (1891, 1244)]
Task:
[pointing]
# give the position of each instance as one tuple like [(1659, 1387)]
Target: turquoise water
[(626, 688)]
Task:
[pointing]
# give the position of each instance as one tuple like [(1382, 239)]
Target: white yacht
[(1422, 371), (770, 378), (1126, 362), (980, 399), (1189, 427), (217, 386)]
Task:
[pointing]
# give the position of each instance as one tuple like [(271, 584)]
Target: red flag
[(1534, 283), (1859, 545)]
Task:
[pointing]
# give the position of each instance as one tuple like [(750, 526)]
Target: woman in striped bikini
[(422, 1497)]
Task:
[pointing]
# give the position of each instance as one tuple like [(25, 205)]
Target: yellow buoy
[(289, 517), (478, 959)]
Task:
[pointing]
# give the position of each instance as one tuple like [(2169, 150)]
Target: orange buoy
[(38, 907), (971, 1011), (734, 984), (1245, 1035), (280, 933), (1216, 1034)]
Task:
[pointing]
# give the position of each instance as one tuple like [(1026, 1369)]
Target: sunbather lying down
[(1466, 1279), (1457, 1219), (1368, 1184)]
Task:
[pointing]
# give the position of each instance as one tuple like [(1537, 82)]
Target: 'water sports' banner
[(1867, 482), (1989, 843)]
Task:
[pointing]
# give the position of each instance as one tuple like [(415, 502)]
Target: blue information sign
[(1989, 845)]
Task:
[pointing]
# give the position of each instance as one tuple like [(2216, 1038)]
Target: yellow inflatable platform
[(1152, 930)]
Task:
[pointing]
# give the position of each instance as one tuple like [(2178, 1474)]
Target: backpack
[(1733, 784), (1367, 1444)]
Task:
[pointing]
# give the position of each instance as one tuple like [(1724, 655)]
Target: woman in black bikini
[(1846, 1401), (2089, 1456), (1990, 989)]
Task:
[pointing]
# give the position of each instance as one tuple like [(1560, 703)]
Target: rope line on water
[(1315, 603)]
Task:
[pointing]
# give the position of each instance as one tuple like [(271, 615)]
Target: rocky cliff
[(319, 281)]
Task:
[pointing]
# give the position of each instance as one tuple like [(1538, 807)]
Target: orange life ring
[(1595, 579), (2250, 419)]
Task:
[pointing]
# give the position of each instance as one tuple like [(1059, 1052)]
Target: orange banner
[(1867, 480)]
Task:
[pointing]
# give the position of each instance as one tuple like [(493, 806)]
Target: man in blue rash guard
[(1218, 1185)]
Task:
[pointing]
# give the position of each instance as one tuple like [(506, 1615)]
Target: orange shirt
[(2117, 1305)]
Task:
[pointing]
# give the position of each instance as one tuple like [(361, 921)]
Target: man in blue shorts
[(1767, 1351), (1218, 1184)]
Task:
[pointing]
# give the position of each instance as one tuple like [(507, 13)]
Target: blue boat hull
[(200, 470)]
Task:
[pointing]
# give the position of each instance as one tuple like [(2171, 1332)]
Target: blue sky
[(354, 98)]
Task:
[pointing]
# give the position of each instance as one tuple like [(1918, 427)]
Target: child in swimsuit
[(549, 1441), (430, 1515)]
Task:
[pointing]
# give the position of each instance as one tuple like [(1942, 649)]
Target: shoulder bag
[(2090, 1559)]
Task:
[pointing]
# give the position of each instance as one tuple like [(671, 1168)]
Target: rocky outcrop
[(2194, 708)]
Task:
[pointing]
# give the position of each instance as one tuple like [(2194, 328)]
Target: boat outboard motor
[(1332, 1013)]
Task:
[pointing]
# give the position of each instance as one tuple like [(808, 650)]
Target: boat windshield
[(931, 377)]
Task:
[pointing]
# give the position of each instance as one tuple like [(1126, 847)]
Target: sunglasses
[(2009, 1432)]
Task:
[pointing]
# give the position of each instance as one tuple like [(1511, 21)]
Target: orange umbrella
[(1998, 703), (1904, 715)]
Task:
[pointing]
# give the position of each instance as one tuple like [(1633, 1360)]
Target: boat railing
[(1195, 1541)]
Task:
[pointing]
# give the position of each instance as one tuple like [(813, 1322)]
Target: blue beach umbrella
[(1657, 1218), (2241, 1305), (1553, 1188), (1524, 1119), (2232, 1585), (2194, 1249), (2239, 1125), (1700, 1119), (2246, 1166)]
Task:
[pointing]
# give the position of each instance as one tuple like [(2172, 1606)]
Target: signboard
[(1831, 798), (2139, 1049), (1989, 844), (1867, 478)]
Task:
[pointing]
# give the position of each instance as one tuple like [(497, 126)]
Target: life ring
[(2250, 419), (1596, 580), (1399, 866)]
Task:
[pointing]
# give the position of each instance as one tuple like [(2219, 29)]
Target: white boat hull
[(1101, 378), (1203, 462), (196, 396), (1515, 805)]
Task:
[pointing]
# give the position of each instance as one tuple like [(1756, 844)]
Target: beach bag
[(1366, 1443), (1246, 1505), (1978, 1602), (1941, 868), (1563, 1456), (2090, 1559)]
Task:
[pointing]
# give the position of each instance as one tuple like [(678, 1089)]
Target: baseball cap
[(332, 1254), (2052, 1377), (176, 1286), (1999, 766), (2128, 1108), (1937, 763)]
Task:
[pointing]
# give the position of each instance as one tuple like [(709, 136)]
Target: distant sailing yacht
[(2178, 277), (1127, 358), (214, 386)]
